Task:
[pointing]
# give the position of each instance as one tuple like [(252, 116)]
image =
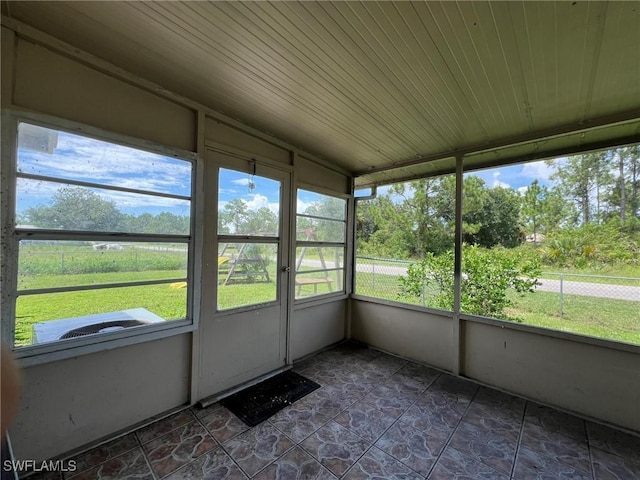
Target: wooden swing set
[(310, 235)]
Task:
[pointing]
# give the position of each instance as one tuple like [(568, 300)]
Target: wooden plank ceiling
[(374, 85)]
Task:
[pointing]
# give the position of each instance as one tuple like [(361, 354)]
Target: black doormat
[(257, 403)]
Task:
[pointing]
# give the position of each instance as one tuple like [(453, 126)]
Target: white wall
[(592, 380), (315, 326), (50, 83), (420, 336), (69, 403)]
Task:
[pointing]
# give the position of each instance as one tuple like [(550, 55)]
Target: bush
[(487, 275), (594, 246)]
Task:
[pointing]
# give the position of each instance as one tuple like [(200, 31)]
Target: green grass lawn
[(166, 302), (604, 318), (162, 300), (597, 317)]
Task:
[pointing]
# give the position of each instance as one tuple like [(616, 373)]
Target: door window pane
[(248, 204), (246, 274)]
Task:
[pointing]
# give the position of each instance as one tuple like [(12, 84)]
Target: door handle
[(286, 269)]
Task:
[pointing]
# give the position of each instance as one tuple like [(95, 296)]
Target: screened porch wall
[(64, 403)]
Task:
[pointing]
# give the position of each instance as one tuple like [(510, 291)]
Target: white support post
[(457, 274)]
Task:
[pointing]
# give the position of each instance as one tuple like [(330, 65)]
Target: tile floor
[(375, 417)]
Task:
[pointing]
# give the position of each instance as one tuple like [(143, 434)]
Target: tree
[(386, 232), (260, 222), (531, 210), (426, 214), (417, 218), (624, 195), (557, 211), (167, 222), (329, 208), (233, 216), (76, 208), (495, 218), (544, 210), (583, 178)]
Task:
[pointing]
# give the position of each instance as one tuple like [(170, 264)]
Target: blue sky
[(89, 160), (264, 193), (94, 161), (518, 177)]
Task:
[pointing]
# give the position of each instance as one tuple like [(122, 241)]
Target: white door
[(245, 282)]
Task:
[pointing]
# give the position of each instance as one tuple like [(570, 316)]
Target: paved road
[(600, 290)]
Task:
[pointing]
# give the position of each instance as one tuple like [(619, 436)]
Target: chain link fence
[(597, 286), (378, 277)]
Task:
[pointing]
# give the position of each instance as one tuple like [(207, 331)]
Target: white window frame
[(11, 236), (321, 244)]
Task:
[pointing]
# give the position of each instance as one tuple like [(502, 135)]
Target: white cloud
[(497, 182), (90, 160), (539, 170), (302, 205), (522, 190), (241, 181), (35, 192), (260, 201)]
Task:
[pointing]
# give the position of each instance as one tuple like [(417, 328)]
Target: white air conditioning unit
[(37, 138), (92, 324)]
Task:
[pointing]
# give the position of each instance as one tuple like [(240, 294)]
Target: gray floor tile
[(213, 465), (295, 465), (335, 447), (365, 420), (454, 465), (615, 441), (534, 465), (414, 448), (608, 466), (557, 446), (375, 416), (131, 465), (256, 448), (485, 446), (375, 464)]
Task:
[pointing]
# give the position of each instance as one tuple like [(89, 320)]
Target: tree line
[(78, 208), (417, 218)]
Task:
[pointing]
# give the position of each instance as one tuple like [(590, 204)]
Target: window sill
[(405, 306), (54, 351), (313, 300)]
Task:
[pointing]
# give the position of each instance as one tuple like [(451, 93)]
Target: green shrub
[(487, 276), (592, 246)]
